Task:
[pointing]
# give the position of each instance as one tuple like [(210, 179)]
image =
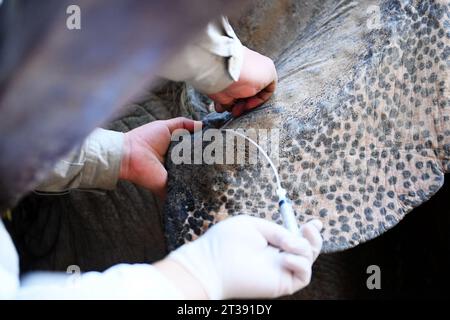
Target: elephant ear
[(363, 113)]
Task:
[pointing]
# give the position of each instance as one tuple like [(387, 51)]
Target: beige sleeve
[(95, 165), (211, 62)]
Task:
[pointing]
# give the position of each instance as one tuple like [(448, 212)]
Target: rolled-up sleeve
[(211, 62), (93, 166)]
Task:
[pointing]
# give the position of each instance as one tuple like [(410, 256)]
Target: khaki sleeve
[(211, 62), (93, 166)]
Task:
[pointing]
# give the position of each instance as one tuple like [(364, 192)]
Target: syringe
[(287, 212)]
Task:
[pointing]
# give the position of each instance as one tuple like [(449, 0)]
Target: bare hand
[(256, 84), (144, 151)]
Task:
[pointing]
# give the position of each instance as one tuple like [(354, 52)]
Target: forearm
[(211, 62), (182, 278), (164, 280), (94, 165), (123, 281)]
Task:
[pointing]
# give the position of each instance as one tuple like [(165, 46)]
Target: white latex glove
[(248, 257)]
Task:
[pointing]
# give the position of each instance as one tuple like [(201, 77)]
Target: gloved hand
[(248, 257)]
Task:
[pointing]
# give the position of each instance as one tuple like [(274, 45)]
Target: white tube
[(286, 209)]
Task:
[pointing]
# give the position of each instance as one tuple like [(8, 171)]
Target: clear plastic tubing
[(285, 204)]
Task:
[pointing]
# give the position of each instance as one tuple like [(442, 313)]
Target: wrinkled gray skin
[(126, 225), (363, 106)]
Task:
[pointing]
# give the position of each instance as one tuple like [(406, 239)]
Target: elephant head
[(363, 114)]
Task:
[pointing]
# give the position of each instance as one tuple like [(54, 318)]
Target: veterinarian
[(241, 257)]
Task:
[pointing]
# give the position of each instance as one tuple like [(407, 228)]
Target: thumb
[(183, 123)]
